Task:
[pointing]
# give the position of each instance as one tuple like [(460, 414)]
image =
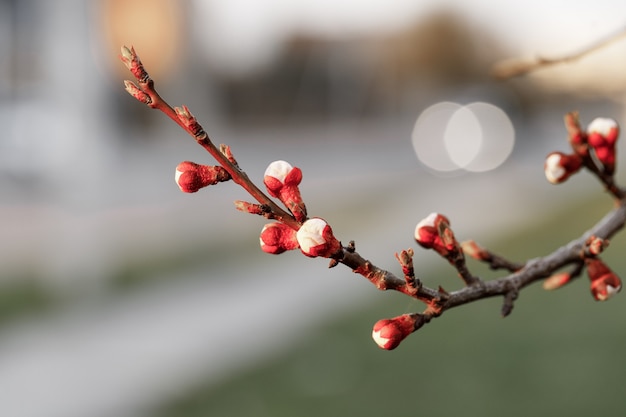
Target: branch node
[(509, 298), (351, 248)]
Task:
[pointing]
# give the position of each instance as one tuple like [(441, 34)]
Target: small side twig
[(517, 67)]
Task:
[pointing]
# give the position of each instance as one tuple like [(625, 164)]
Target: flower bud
[(191, 177), (556, 281), (189, 122), (604, 282), (559, 166), (388, 333), (277, 238), (602, 135), (316, 239), (130, 58), (136, 92), (282, 180), (433, 232)]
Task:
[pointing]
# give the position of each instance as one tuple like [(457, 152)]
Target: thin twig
[(516, 67), (147, 94)]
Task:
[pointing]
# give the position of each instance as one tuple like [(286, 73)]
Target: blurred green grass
[(557, 354)]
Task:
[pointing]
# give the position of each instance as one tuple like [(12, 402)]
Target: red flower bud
[(282, 180), (433, 232), (602, 135), (604, 282), (316, 239), (559, 166), (388, 333), (191, 177), (277, 238)]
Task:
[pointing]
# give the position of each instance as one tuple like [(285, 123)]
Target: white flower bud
[(278, 170), (554, 170), (310, 234), (602, 125)]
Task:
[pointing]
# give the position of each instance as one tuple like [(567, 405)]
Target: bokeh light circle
[(477, 137)]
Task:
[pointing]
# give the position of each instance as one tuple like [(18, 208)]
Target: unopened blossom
[(388, 333), (316, 238), (282, 180), (604, 282), (602, 134), (277, 238), (558, 166), (433, 232), (191, 177)]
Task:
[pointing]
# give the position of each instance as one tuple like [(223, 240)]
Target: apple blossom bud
[(282, 180), (433, 232), (191, 177), (277, 238), (388, 333), (604, 282), (316, 239), (558, 166), (556, 281), (602, 135)]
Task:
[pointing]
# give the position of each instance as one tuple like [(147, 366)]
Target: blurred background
[(122, 296)]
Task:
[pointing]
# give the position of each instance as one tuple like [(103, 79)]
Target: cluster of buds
[(434, 232), (315, 236), (191, 177), (282, 180), (604, 282), (601, 136), (388, 333)]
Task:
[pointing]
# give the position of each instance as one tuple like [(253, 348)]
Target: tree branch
[(593, 149)]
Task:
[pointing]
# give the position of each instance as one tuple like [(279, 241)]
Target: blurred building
[(315, 78)]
